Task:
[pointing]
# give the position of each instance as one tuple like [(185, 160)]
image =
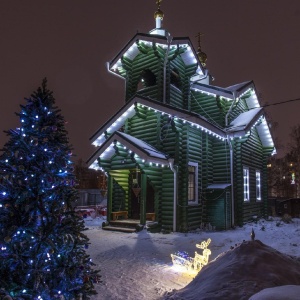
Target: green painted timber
[(120, 189), (109, 196), (249, 153), (184, 144), (193, 218), (218, 208)]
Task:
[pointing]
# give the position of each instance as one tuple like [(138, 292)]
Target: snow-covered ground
[(139, 266)]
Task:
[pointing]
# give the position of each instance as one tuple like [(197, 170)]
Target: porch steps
[(125, 225), (120, 229)]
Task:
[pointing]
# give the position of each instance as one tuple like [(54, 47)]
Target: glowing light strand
[(193, 264)]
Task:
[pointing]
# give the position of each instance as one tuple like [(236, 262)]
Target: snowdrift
[(286, 292), (240, 273)]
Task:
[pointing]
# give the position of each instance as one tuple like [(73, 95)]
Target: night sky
[(70, 41)]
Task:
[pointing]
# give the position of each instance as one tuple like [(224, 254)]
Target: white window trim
[(246, 185), (258, 186), (196, 201)]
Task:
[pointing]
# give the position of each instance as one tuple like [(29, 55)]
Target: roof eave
[(154, 39), (124, 112), (211, 89), (116, 137), (147, 37), (128, 111)]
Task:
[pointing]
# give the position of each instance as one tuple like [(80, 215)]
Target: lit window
[(258, 186), (293, 178), (246, 184), (193, 183)]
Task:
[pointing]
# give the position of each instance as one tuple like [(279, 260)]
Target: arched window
[(147, 79)]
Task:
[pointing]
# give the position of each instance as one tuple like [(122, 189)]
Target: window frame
[(258, 185), (246, 184), (195, 184)]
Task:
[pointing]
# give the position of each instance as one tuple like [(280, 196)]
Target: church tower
[(159, 66)]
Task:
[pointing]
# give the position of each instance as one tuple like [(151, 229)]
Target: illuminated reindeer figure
[(196, 263), (201, 260)]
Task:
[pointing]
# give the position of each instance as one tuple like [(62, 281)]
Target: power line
[(282, 102)]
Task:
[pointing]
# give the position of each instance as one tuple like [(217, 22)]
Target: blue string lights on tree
[(42, 245)]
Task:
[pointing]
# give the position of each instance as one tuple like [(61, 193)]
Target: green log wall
[(248, 152)]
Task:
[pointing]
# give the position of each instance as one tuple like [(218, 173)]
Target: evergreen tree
[(42, 245)]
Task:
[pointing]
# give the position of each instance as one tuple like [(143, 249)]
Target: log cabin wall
[(194, 153), (145, 73), (149, 73)]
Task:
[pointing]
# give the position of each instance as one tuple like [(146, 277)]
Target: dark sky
[(70, 41)]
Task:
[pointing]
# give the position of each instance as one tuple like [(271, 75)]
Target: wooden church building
[(181, 151)]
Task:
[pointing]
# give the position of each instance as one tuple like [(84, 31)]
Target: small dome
[(202, 57), (159, 14)]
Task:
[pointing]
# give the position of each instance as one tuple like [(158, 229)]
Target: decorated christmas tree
[(42, 244)]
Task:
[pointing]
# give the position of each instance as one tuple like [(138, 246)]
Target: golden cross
[(158, 2), (199, 41)]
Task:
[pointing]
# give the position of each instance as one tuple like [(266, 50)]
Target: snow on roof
[(143, 150), (128, 111), (238, 127), (130, 50), (245, 120), (243, 123), (150, 150), (237, 90), (246, 117), (114, 123), (213, 90), (239, 86)]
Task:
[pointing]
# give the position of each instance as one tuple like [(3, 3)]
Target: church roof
[(131, 50), (129, 110), (240, 87), (244, 121), (143, 150), (242, 125), (230, 92)]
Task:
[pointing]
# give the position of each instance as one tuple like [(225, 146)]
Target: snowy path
[(134, 266), (138, 265)]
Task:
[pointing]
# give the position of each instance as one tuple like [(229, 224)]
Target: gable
[(245, 120), (138, 149), (142, 42)]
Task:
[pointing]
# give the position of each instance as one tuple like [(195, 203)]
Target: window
[(175, 78), (193, 183), (148, 78), (246, 184), (258, 186)]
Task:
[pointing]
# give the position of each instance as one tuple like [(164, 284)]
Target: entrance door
[(135, 196), (150, 198), (135, 207)]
